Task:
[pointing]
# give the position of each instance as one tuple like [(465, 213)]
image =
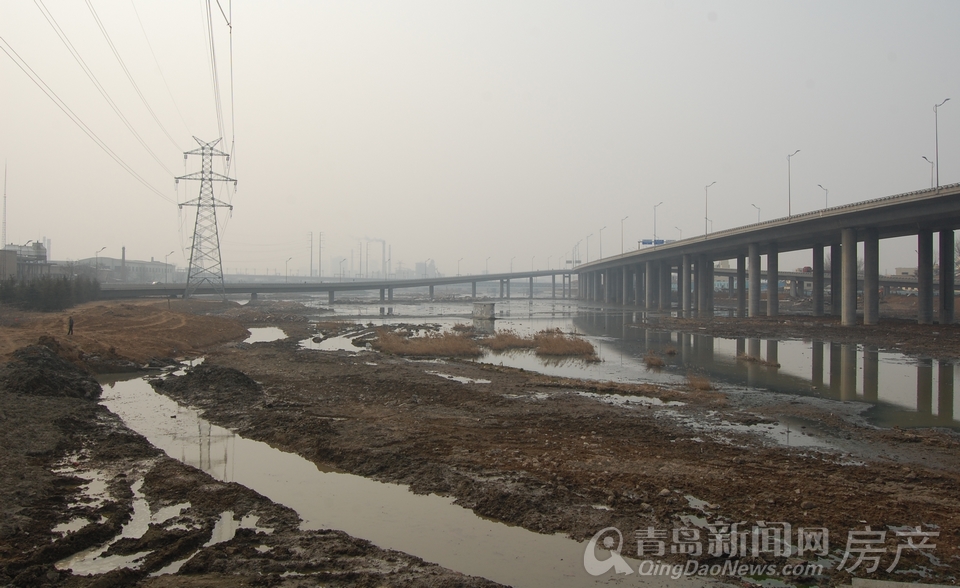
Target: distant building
[(906, 271), (132, 271), (25, 261)]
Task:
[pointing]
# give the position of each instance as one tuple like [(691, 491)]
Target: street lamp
[(286, 270), (681, 232), (426, 264), (458, 265), (511, 263), (600, 247), (621, 233), (486, 265), (789, 211), (706, 192), (826, 196), (758, 211), (931, 169), (655, 224), (588, 247), (531, 262), (96, 260), (549, 257), (936, 134), (165, 258), (341, 268)]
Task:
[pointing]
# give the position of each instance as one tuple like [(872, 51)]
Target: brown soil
[(527, 449)]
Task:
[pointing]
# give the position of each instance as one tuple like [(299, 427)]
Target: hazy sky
[(470, 130)]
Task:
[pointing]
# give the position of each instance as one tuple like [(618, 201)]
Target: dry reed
[(699, 382), (653, 360), (670, 350), (757, 360), (506, 340), (557, 344), (431, 345)]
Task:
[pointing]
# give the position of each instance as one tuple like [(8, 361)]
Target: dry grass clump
[(557, 344), (653, 360), (506, 340), (670, 350), (431, 345), (462, 328), (699, 382), (757, 360)]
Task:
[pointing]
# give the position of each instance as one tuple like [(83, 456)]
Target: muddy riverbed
[(548, 454)]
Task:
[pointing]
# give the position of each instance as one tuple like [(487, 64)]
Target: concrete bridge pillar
[(501, 289), (649, 290), (665, 283), (947, 279), (431, 292), (695, 295), (684, 283), (253, 296), (754, 292), (531, 287), (330, 297), (638, 288), (473, 290), (741, 286), (553, 287), (773, 280), (508, 288), (848, 240), (711, 285), (794, 288), (925, 277), (625, 286), (836, 278), (730, 286), (383, 294), (871, 277), (703, 296), (818, 279)]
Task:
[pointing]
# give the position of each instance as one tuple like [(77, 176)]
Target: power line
[(96, 83), (159, 69), (129, 76), (36, 79)]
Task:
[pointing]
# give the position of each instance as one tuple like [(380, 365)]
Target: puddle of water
[(71, 526), (461, 379), (627, 401), (430, 527), (338, 343), (265, 334)]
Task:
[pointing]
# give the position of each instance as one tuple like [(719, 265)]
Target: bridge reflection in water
[(905, 391)]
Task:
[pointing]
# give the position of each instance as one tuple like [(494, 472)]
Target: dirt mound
[(38, 370), (211, 381)]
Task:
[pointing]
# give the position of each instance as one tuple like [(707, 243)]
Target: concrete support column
[(625, 286), (753, 307), (947, 279), (871, 277), (501, 289), (508, 288), (703, 296), (383, 294), (390, 294), (431, 292), (638, 291), (553, 287), (836, 279), (741, 286), (794, 290), (818, 279), (531, 286), (649, 291), (330, 297), (697, 263), (731, 284), (685, 286), (773, 280), (848, 240), (473, 288), (606, 285), (665, 279), (711, 285), (253, 296), (925, 277)]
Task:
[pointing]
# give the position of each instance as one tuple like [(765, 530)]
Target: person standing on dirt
[(70, 326)]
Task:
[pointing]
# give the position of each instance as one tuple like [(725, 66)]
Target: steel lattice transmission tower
[(205, 262)]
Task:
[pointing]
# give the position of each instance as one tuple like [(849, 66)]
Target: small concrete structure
[(483, 311)]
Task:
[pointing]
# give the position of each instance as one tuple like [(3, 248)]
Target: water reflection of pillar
[(753, 368), (848, 371), (835, 370), (753, 348), (773, 352), (945, 391), (646, 339), (925, 386), (871, 374), (686, 348), (706, 350), (816, 368)]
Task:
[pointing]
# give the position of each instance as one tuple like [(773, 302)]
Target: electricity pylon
[(205, 262)]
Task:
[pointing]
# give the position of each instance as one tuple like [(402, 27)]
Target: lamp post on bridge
[(936, 134), (706, 195), (621, 233), (165, 258), (931, 169), (486, 265), (511, 263), (600, 247), (96, 260), (286, 270), (758, 211), (655, 224), (681, 232), (458, 266), (789, 183), (826, 196), (588, 247)]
